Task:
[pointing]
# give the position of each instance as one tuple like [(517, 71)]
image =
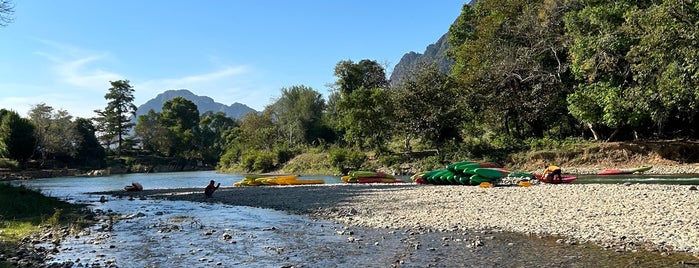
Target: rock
[(103, 199), (692, 188)]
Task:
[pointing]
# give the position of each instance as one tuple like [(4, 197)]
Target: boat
[(624, 170), (135, 186), (373, 177), (564, 179), (275, 180), (492, 173)]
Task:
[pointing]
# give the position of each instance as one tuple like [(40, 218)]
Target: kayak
[(492, 173), (135, 186), (624, 170), (378, 180), (276, 180), (564, 179)]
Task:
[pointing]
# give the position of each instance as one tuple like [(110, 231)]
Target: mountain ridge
[(204, 104)]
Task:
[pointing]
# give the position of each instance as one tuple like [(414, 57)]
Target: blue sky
[(64, 53)]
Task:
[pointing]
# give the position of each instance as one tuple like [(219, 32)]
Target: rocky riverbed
[(621, 217)]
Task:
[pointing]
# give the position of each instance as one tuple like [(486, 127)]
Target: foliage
[(364, 74), (56, 133), (6, 11), (114, 121), (346, 159), (89, 152), (366, 117), (16, 137), (298, 113), (426, 107)]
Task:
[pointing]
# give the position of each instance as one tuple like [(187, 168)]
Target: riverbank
[(624, 218)]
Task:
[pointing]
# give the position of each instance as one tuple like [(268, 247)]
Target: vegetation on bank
[(528, 76), (24, 212)]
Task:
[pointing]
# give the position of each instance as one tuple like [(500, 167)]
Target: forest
[(527, 75)]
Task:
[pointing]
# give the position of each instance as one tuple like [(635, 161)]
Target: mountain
[(434, 53), (204, 103)]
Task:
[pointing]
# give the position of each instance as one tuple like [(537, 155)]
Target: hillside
[(434, 53), (204, 103)]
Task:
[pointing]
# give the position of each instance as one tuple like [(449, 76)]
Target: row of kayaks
[(478, 173), (369, 177), (262, 180)]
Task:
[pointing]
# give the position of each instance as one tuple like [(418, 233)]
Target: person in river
[(552, 174), (210, 189)]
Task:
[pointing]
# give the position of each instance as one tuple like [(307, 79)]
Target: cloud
[(76, 66)]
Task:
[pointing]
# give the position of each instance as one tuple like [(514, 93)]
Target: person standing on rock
[(210, 189)]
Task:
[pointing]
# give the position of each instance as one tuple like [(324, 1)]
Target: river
[(157, 233)]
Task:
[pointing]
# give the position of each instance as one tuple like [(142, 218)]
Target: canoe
[(135, 186), (624, 170), (379, 180), (276, 180), (565, 179), (478, 179), (492, 173), (369, 174)]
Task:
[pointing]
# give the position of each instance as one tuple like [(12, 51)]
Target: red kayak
[(378, 180), (564, 179), (624, 170)]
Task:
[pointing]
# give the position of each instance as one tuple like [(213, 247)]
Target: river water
[(157, 233)]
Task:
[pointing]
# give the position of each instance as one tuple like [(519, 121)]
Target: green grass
[(23, 211)]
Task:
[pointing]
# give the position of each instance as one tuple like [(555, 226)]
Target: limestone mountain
[(204, 103), (434, 53)]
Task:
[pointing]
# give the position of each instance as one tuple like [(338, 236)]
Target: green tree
[(366, 116), (599, 46), (665, 64), (426, 108), (215, 130), (181, 117), (510, 62), (89, 151), (153, 134), (299, 112), (366, 73), (114, 121), (55, 133), (16, 137)]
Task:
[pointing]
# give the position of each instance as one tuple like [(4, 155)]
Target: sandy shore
[(660, 218)]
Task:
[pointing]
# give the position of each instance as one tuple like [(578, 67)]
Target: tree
[(508, 55), (89, 151), (56, 133), (298, 112), (114, 121), (154, 135), (215, 129), (181, 117), (665, 63), (366, 73), (16, 137), (366, 117), (426, 108), (7, 8), (599, 46)]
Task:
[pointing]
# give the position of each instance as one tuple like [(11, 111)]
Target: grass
[(23, 212)]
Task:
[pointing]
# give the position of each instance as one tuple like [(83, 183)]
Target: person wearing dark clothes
[(209, 190)]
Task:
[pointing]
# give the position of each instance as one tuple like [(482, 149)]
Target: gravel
[(660, 218)]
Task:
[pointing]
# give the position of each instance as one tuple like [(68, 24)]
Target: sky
[(65, 53)]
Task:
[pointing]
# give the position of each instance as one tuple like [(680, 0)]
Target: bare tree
[(7, 8)]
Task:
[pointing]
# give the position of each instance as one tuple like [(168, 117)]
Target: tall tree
[(114, 121), (89, 151), (366, 116), (215, 128), (508, 54), (181, 117), (299, 111), (154, 135), (56, 133), (16, 137), (665, 63), (366, 73), (600, 42), (426, 108)]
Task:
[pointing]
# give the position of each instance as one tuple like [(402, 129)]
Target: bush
[(264, 162), (346, 159)]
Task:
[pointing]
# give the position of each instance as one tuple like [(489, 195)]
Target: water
[(157, 233)]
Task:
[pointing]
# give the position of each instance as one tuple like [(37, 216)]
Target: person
[(209, 190), (551, 173)]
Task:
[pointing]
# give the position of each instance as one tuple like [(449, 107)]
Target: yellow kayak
[(275, 180)]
